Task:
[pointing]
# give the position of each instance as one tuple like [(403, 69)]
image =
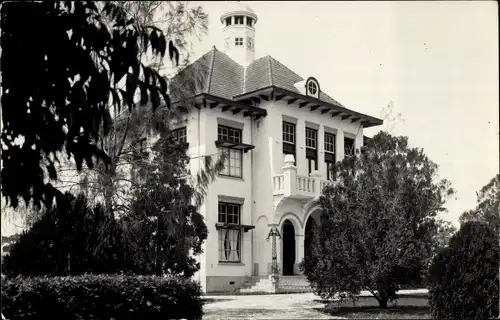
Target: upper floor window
[(180, 135), (312, 87), (329, 142), (228, 134), (234, 157), (249, 21), (238, 20), (228, 21), (311, 138), (229, 238), (348, 147), (329, 154), (288, 132), (238, 41)]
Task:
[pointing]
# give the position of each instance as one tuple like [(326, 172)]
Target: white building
[(265, 116)]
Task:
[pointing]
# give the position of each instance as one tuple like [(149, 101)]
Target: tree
[(463, 278), (488, 205), (78, 64), (112, 183), (444, 231), (378, 221), (164, 225), (70, 238)]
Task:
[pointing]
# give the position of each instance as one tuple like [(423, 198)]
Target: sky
[(435, 63)]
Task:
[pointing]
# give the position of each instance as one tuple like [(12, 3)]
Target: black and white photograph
[(206, 160)]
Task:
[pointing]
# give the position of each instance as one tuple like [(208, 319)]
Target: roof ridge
[(210, 70)]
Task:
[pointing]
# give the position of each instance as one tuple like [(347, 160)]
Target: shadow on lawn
[(407, 306)]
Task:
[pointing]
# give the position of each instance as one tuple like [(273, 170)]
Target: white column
[(299, 252), (339, 145), (289, 176)]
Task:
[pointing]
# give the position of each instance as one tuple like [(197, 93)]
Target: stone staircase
[(263, 285)]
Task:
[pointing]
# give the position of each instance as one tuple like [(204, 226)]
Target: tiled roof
[(217, 74)]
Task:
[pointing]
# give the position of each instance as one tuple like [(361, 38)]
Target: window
[(180, 135), (234, 160), (238, 41), (329, 142), (329, 154), (288, 132), (238, 20), (228, 22), (289, 139), (348, 147), (311, 138), (249, 21), (312, 88), (229, 238), (311, 150)]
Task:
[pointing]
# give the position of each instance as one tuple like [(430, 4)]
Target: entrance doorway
[(288, 248)]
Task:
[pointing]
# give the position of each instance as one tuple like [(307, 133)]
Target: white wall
[(255, 188)]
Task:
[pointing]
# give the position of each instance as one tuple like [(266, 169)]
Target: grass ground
[(414, 306)]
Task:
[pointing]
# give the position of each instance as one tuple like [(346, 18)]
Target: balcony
[(289, 184)]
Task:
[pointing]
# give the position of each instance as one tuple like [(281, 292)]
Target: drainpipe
[(252, 141), (199, 168)]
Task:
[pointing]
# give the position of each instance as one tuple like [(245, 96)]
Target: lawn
[(408, 306)]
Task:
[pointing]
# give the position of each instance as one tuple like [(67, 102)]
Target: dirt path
[(281, 306)]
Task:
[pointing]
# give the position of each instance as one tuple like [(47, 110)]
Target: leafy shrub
[(463, 277), (101, 297), (70, 238)]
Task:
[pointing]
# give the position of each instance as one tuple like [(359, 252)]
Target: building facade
[(281, 134)]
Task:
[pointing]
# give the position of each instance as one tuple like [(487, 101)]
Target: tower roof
[(238, 8)]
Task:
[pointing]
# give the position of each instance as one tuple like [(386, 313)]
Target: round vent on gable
[(312, 87)]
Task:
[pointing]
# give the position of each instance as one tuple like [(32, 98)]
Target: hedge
[(101, 297)]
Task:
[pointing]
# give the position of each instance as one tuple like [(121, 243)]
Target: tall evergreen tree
[(378, 223)]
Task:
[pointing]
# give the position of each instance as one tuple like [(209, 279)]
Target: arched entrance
[(288, 233), (310, 225), (312, 222)]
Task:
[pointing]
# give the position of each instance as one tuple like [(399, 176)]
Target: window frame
[(313, 138), (311, 151), (289, 147), (224, 255), (229, 21), (330, 153), (177, 136), (346, 154), (238, 41), (332, 144), (231, 152), (249, 22), (292, 134)]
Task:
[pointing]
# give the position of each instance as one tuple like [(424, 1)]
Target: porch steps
[(287, 284)]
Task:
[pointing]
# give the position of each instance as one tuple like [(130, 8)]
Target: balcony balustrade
[(289, 184)]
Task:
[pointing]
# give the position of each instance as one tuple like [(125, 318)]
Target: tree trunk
[(382, 302)]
